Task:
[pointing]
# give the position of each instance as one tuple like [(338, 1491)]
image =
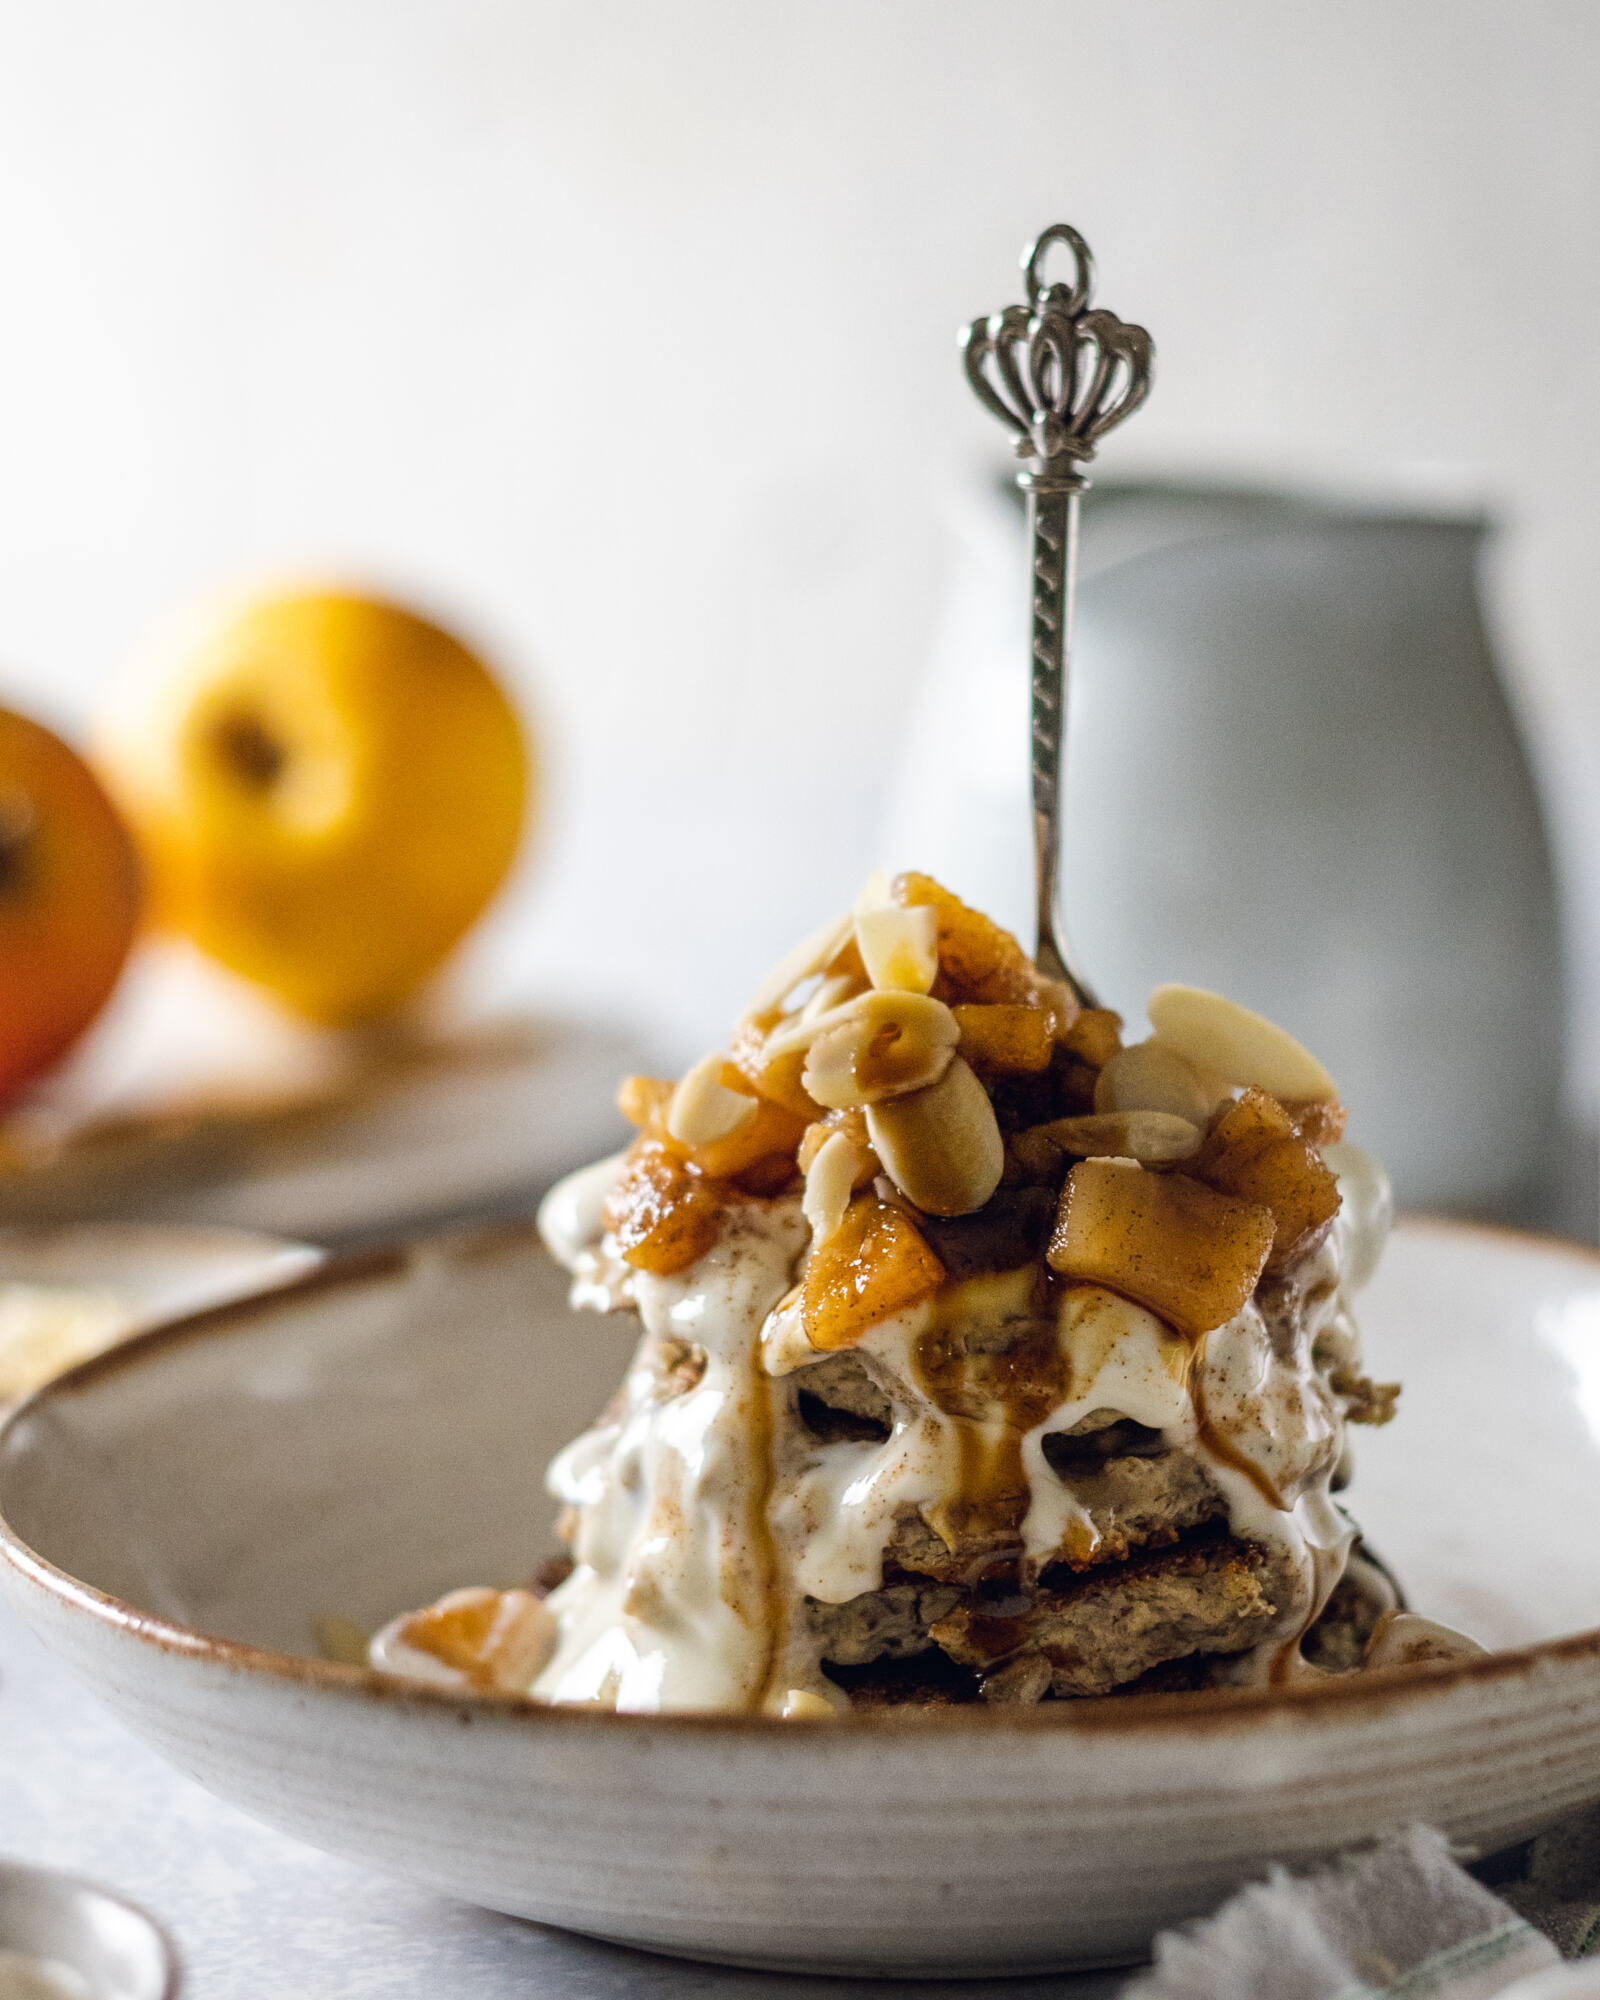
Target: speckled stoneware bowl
[(179, 1516)]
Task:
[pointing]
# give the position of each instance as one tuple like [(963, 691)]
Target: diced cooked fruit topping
[(664, 1214), (765, 1142), (1253, 1151), (643, 1100), (978, 961), (1001, 1038), (1096, 1035), (757, 1151), (497, 1639), (775, 1076), (875, 1263), (1190, 1254), (913, 1046)]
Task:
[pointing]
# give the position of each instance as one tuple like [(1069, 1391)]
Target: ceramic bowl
[(179, 1516)]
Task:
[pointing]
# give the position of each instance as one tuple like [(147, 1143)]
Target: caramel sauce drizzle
[(1221, 1448), (774, 1623), (993, 1399)]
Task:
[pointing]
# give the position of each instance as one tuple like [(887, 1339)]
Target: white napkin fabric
[(1402, 1918)]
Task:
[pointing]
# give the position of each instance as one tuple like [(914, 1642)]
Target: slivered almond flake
[(703, 1108), (830, 1181), (899, 947), (941, 1146), (806, 960), (817, 1135), (1149, 1076), (879, 1045), (875, 892), (1154, 1138), (1240, 1046), (833, 992)]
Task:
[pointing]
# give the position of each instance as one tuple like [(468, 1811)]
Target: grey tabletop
[(256, 1915)]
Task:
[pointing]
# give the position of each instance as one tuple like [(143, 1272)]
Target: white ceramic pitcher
[(1293, 776)]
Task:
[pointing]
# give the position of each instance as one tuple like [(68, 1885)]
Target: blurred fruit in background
[(69, 898), (327, 790)]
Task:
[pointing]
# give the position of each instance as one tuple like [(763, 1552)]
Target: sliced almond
[(1241, 1047), (1149, 1076), (806, 960), (703, 1108), (875, 892), (1154, 1138), (941, 1146), (900, 948), (834, 991), (879, 1045), (830, 1182), (795, 1035), (817, 1135)]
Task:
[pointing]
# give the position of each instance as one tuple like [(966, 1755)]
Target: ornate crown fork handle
[(1060, 375)]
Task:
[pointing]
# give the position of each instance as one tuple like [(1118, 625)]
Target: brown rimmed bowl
[(179, 1520)]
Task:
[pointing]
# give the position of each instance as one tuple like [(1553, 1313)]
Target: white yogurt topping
[(707, 1516), (672, 1601)]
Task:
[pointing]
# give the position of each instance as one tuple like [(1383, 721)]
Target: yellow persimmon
[(328, 789)]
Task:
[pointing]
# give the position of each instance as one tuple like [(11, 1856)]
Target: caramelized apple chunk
[(643, 1101), (978, 961), (1190, 1254), (1096, 1035), (1003, 1039), (772, 1134), (774, 1077), (664, 1213), (1320, 1121), (1253, 1151), (496, 1639), (875, 1263)]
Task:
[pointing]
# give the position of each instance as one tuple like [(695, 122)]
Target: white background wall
[(623, 334)]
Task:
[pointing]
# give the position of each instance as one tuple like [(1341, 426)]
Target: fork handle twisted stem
[(1053, 535)]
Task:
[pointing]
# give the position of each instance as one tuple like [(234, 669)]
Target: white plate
[(415, 1131), (71, 1292), (178, 1516)]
